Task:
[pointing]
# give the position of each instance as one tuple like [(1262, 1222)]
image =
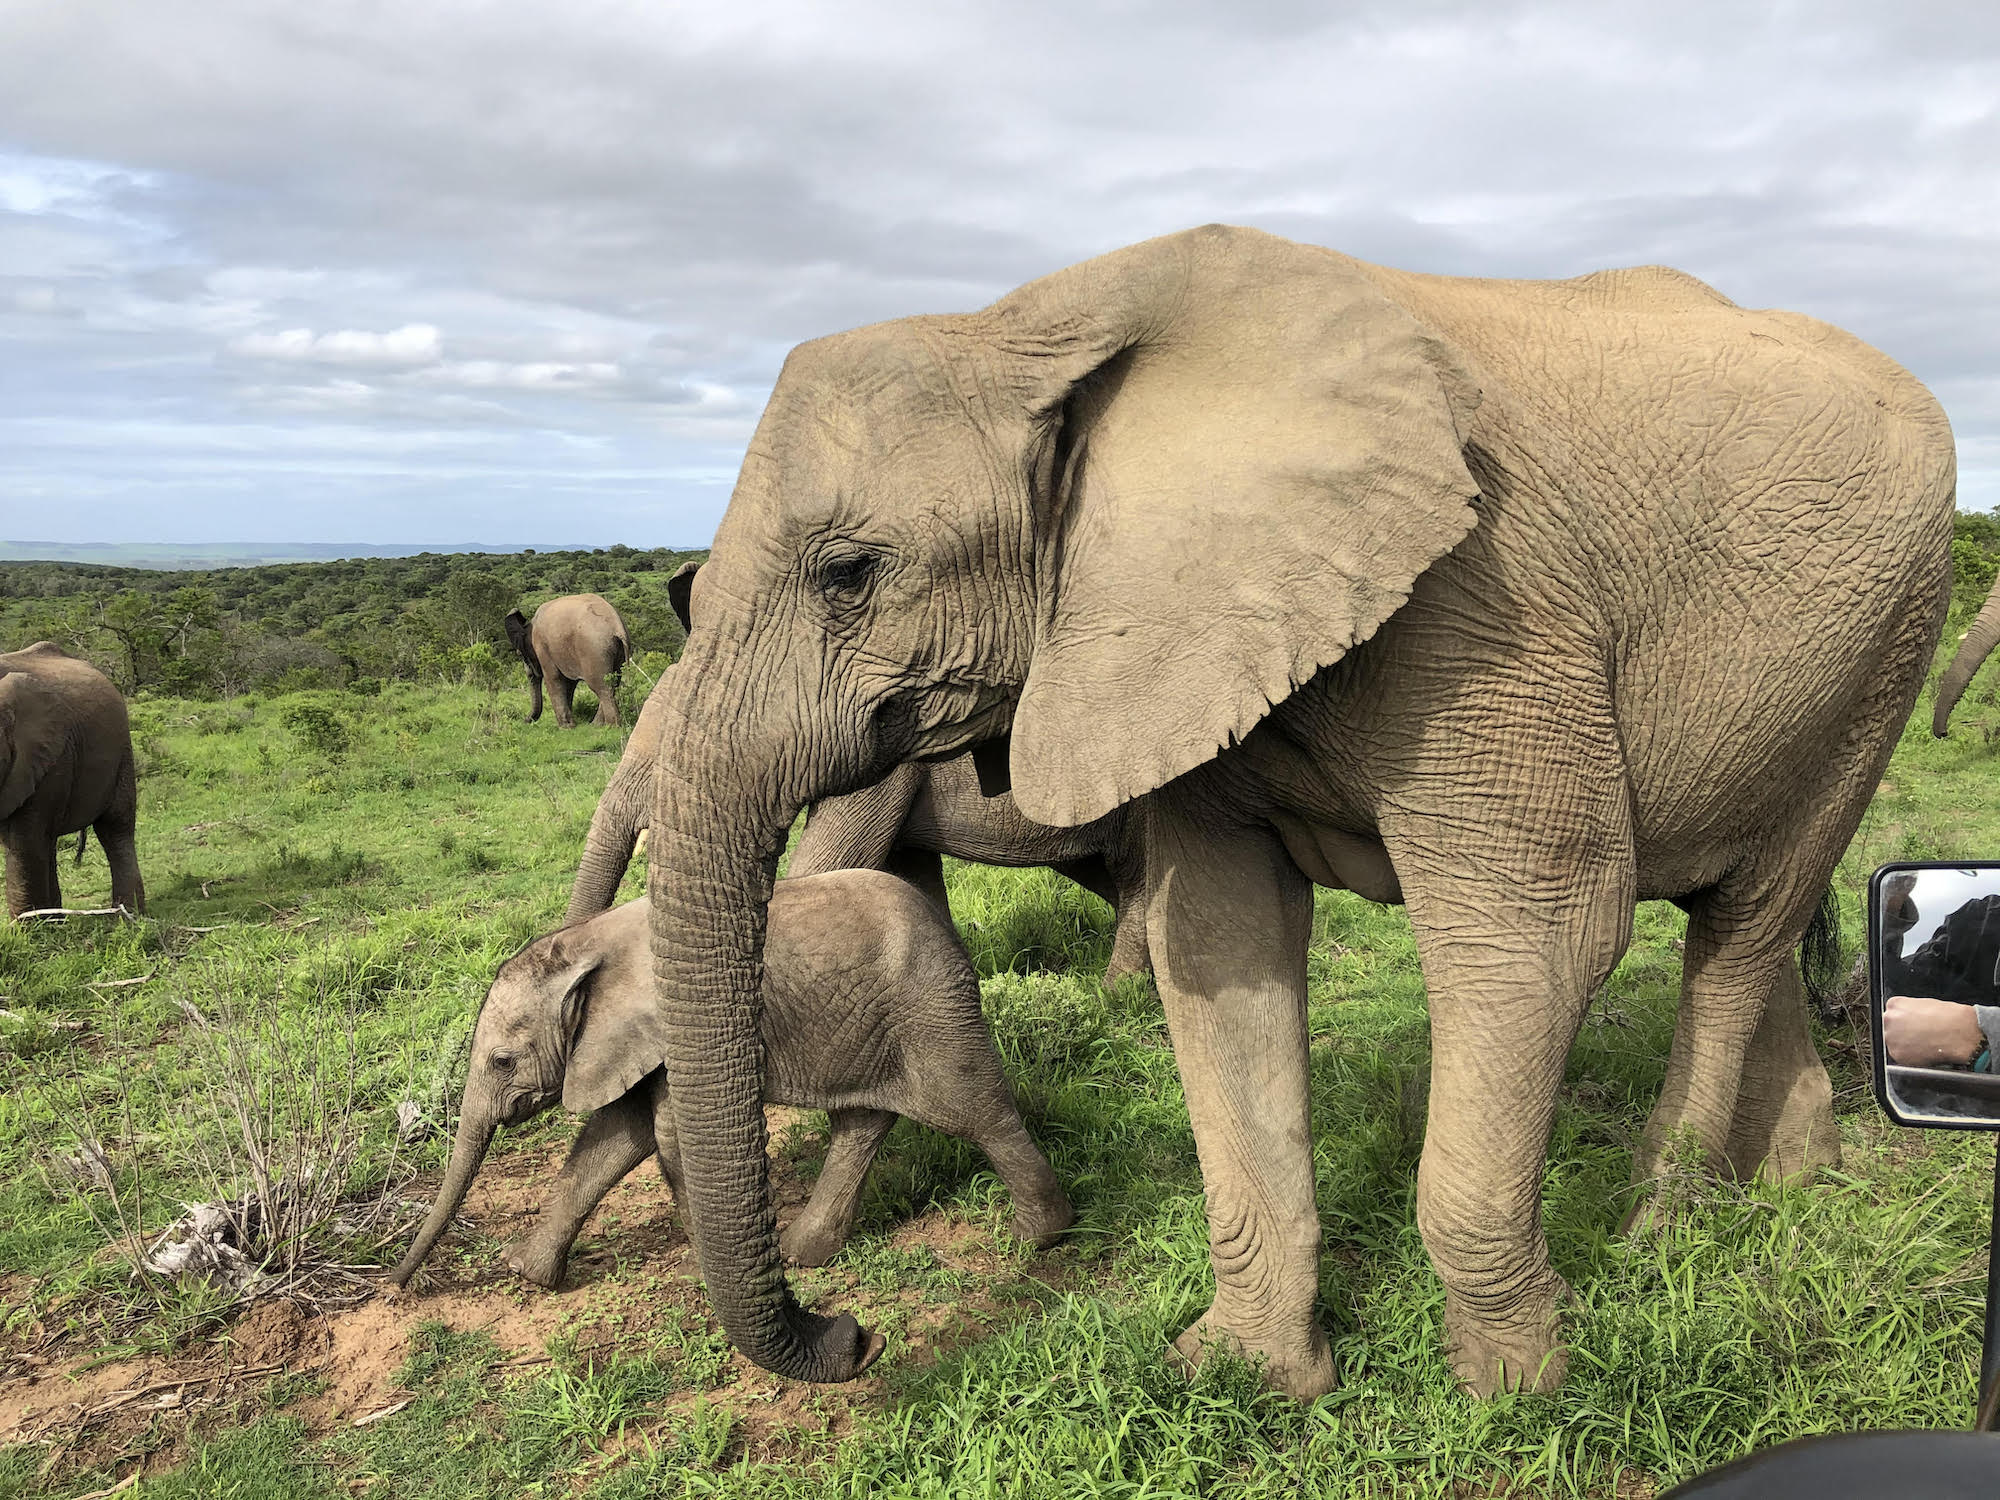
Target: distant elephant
[(903, 824), (576, 638), (871, 1010), (1515, 601), (65, 765), (1972, 652)]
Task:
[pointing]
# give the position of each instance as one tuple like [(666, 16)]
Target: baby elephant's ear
[(616, 1037)]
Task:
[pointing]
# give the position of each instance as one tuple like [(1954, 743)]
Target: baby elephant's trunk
[(468, 1151)]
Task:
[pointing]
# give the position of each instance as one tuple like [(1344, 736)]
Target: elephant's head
[(1120, 512), (567, 1020)]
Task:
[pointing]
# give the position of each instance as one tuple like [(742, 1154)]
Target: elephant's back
[(579, 633), (861, 975), (85, 695), (1718, 537)]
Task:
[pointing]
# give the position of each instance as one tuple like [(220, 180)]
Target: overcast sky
[(523, 272)]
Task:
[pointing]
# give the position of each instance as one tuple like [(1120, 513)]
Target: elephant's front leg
[(31, 870), (1230, 916), (1512, 949), (816, 1235), (612, 1142)]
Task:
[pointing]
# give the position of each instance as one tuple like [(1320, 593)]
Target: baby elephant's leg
[(815, 1237), (1042, 1209), (612, 1142)]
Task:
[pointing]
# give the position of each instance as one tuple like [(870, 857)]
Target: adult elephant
[(1518, 601), (904, 824), (574, 638), (65, 765)]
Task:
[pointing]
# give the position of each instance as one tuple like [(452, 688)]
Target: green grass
[(352, 891)]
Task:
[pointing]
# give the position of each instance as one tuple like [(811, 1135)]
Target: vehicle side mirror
[(1934, 1015), (1934, 994)]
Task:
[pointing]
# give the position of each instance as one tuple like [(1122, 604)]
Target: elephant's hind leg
[(962, 1090), (1783, 1125), (1230, 916), (1042, 1210), (117, 834), (612, 1142), (1740, 1046), (564, 693), (1744, 1086), (607, 700)]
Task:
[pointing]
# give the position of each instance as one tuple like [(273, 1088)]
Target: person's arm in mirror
[(1921, 1033)]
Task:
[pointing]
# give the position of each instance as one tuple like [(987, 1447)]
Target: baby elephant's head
[(571, 1018)]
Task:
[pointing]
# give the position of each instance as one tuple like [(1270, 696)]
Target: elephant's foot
[(1790, 1142), (1522, 1352), (1121, 969), (1300, 1366), (1041, 1222), (534, 1259), (810, 1242)]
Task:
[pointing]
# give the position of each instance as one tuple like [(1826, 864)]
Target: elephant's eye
[(842, 576), (504, 1061)]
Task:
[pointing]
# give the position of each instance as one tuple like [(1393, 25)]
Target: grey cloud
[(618, 218)]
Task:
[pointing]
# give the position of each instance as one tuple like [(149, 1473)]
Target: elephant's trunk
[(1972, 651), (614, 831), (624, 809), (721, 816), (476, 1124)]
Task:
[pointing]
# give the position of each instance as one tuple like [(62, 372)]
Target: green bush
[(316, 727)]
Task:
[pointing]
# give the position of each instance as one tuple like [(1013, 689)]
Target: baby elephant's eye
[(842, 576), (504, 1061)]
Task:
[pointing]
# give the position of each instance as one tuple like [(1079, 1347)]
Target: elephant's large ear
[(612, 1015), (30, 736), (1259, 452), (680, 589)]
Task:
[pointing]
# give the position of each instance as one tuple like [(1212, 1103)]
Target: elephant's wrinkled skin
[(65, 765), (903, 824), (871, 1011), (572, 639), (1521, 601)]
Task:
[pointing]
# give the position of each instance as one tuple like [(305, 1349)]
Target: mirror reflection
[(1938, 976)]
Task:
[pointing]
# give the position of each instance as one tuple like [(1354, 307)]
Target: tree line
[(283, 627)]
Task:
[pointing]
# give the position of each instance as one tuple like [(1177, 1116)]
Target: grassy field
[(328, 906)]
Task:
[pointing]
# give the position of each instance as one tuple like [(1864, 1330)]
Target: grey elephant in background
[(1519, 602), (65, 765), (574, 638), (871, 1010), (1972, 652), (905, 823)]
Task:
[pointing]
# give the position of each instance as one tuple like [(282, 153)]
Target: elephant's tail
[(1820, 955), (82, 838)]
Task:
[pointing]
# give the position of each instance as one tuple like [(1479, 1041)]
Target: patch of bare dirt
[(632, 1272)]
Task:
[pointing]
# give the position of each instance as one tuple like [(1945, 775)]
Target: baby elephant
[(871, 1010)]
